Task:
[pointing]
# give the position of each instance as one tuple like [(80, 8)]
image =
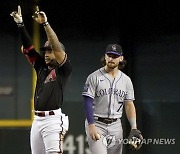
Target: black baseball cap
[(114, 49), (46, 47)]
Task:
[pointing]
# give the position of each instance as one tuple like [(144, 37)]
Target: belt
[(106, 120), (44, 113)]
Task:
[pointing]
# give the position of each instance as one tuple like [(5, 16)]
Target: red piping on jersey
[(31, 60), (64, 60), (28, 49)]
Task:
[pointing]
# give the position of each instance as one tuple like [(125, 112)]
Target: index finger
[(19, 10), (37, 8)]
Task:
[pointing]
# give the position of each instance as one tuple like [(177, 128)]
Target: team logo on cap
[(114, 47)]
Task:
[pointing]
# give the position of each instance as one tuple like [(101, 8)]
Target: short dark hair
[(121, 64)]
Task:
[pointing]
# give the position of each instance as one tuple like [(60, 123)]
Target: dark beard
[(111, 66)]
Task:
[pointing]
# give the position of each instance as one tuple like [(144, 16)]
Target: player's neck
[(111, 71)]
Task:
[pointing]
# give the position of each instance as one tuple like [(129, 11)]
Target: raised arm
[(56, 45), (28, 48), (25, 38)]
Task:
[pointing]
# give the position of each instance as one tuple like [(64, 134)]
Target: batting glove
[(17, 16), (135, 139)]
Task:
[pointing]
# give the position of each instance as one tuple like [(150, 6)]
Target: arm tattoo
[(52, 38)]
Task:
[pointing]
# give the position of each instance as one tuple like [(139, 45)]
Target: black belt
[(43, 113), (106, 120)]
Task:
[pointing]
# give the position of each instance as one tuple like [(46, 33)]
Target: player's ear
[(121, 58), (105, 56)]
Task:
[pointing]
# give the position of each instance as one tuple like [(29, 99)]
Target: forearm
[(25, 38), (57, 49), (52, 38), (131, 114)]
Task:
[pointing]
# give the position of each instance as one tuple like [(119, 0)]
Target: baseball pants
[(110, 141), (47, 133)]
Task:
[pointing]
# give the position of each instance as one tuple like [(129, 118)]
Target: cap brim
[(48, 48), (114, 53)]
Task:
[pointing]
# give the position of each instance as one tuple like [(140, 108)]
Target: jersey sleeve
[(65, 67), (129, 90), (90, 86), (33, 57)]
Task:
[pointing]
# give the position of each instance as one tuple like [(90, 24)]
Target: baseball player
[(53, 70), (106, 92)]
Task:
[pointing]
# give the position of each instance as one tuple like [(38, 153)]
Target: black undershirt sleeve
[(29, 51), (25, 38)]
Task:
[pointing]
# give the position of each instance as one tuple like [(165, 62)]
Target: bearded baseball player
[(106, 92), (53, 70)]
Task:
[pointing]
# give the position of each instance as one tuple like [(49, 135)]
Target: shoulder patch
[(86, 87)]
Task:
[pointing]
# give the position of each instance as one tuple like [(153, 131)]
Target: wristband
[(45, 23), (20, 24), (132, 122)]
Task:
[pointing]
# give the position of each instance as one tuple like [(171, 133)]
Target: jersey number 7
[(121, 104)]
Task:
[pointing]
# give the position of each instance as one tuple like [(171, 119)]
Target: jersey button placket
[(111, 87)]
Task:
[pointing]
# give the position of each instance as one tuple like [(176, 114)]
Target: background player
[(106, 92), (53, 70)]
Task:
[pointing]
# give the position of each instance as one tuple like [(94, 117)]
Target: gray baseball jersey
[(108, 93)]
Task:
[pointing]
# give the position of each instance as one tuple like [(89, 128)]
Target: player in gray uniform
[(106, 92)]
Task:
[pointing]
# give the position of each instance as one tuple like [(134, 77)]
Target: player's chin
[(47, 62), (112, 65)]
